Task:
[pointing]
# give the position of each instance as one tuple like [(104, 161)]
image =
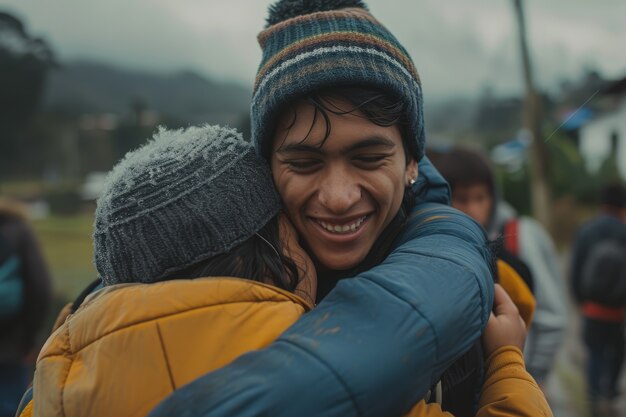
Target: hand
[(505, 326)]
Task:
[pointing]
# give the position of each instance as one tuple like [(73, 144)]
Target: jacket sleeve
[(376, 343), (509, 390)]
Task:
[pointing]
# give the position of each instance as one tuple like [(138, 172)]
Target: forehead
[(337, 127), (476, 188)]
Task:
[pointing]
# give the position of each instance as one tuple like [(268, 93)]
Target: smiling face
[(340, 193)]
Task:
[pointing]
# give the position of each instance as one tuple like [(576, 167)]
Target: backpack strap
[(438, 393), (435, 394), (70, 308), (26, 407), (88, 290), (511, 234)]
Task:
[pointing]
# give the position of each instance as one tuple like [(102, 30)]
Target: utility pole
[(540, 187)]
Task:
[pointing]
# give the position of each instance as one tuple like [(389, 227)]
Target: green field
[(67, 247)]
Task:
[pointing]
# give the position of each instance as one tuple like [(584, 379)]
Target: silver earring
[(412, 181)]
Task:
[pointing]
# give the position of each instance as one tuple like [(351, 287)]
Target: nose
[(339, 190)]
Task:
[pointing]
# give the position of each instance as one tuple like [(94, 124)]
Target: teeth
[(335, 228)]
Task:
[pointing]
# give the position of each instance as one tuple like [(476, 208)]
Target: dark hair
[(463, 167), (375, 106), (613, 195), (260, 258)]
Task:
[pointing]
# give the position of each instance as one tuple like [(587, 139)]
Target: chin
[(339, 263)]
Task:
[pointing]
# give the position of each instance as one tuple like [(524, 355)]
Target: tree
[(24, 64)]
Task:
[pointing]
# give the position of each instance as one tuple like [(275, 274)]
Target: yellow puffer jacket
[(129, 346)]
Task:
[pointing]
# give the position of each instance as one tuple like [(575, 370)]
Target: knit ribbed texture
[(184, 197), (347, 47)]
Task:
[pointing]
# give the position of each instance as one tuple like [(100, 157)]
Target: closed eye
[(303, 165), (369, 160)]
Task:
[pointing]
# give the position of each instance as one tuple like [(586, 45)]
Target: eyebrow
[(373, 141), (369, 142)]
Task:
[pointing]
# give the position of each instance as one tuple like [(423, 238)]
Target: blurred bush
[(64, 202)]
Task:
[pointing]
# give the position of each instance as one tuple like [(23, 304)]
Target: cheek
[(460, 205), (392, 183), (291, 189), (485, 211), (387, 189), (283, 182)]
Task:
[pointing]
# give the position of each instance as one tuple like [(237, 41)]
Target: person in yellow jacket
[(169, 313)]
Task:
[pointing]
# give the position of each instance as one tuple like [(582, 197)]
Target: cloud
[(459, 46)]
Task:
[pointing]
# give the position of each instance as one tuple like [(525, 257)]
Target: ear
[(411, 172)]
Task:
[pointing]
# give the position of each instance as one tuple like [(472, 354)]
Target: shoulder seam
[(167, 361), (152, 319)]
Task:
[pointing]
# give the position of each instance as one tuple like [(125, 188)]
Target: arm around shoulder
[(377, 341)]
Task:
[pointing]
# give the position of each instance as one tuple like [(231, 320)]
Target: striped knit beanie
[(184, 197), (310, 45)]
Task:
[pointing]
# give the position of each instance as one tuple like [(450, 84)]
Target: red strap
[(511, 241), (600, 312)]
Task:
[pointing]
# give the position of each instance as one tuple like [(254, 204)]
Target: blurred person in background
[(598, 280), (25, 291), (474, 192), (512, 273)]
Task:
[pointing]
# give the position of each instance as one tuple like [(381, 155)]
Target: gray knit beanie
[(185, 196)]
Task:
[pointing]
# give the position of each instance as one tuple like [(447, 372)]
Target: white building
[(605, 135)]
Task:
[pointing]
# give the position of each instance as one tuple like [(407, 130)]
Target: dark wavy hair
[(260, 258), (371, 104), (464, 167)]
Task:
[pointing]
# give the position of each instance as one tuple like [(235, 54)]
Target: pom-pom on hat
[(288, 9), (309, 45), (185, 196)]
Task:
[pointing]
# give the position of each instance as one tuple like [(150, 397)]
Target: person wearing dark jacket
[(603, 324), (337, 111), (19, 328)]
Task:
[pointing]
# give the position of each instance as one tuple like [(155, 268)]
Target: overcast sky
[(459, 46)]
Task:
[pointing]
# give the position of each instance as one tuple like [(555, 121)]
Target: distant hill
[(87, 87)]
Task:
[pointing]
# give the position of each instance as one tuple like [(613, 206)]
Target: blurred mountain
[(80, 88)]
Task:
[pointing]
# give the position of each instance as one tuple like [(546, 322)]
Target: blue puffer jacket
[(378, 341)]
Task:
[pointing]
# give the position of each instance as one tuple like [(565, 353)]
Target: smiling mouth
[(341, 229)]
